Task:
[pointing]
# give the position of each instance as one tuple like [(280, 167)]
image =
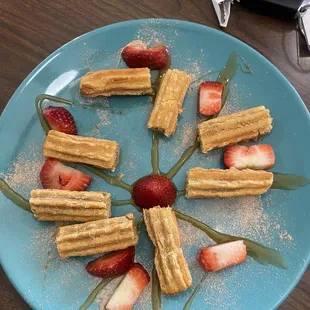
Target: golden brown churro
[(230, 129), (64, 205), (116, 82), (96, 152), (207, 183), (169, 101), (171, 266), (94, 237)]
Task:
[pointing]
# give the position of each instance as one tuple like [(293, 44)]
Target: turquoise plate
[(278, 219)]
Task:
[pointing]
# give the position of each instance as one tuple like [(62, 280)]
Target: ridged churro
[(64, 205), (94, 237), (207, 183), (230, 129), (116, 82), (96, 152), (169, 101), (171, 266)]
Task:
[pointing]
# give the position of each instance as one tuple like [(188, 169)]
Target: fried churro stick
[(169, 101), (116, 82), (97, 152), (171, 266), (230, 129), (94, 237), (207, 183), (64, 205), (173, 272)]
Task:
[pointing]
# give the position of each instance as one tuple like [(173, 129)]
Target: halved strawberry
[(129, 290), (55, 175), (154, 190), (113, 264), (137, 55), (210, 98), (60, 119), (257, 157), (223, 255)]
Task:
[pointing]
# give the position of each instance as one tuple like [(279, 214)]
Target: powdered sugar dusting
[(104, 117), (23, 173), (149, 34), (216, 294), (234, 102), (190, 235), (197, 77), (195, 71), (244, 216), (285, 235), (89, 57), (98, 59), (41, 245), (188, 134)]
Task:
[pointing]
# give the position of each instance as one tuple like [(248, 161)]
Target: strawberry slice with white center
[(113, 264), (223, 255), (55, 175), (257, 157), (60, 119), (210, 98), (129, 290)]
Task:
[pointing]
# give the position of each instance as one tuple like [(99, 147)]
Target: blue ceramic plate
[(278, 219)]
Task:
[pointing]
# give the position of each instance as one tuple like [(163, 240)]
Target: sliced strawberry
[(257, 157), (60, 119), (113, 264), (55, 175), (154, 190), (223, 255), (137, 55), (210, 98), (129, 290)]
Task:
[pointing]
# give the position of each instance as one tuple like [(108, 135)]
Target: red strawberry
[(154, 190), (254, 157), (60, 119), (129, 290), (137, 55), (210, 98), (56, 175), (113, 264), (224, 255)]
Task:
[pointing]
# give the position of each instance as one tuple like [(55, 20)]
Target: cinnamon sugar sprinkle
[(150, 35), (187, 136), (23, 172), (104, 119)]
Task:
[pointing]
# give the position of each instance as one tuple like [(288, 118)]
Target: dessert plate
[(278, 219)]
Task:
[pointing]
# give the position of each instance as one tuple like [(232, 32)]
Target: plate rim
[(176, 22)]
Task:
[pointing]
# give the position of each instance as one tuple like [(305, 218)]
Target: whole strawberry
[(154, 190), (60, 119)]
